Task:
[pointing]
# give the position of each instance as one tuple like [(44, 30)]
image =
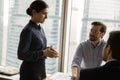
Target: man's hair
[(114, 42), (103, 26)]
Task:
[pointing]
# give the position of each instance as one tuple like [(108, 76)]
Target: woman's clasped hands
[(50, 52)]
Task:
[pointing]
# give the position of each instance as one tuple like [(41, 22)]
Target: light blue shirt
[(87, 56)]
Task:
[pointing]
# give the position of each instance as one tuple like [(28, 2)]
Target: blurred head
[(98, 30), (38, 11), (112, 47)]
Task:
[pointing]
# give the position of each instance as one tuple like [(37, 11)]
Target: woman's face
[(40, 16)]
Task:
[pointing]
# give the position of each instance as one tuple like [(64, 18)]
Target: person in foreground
[(111, 54), (32, 48), (89, 52)]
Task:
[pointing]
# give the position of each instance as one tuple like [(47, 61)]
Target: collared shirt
[(32, 43), (87, 56)]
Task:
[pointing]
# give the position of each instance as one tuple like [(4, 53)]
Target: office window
[(101, 10), (17, 19), (67, 25), (1, 28), (107, 11)]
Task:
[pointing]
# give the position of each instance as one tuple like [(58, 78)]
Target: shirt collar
[(101, 41), (35, 25)]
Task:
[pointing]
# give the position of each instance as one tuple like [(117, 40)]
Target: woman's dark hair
[(37, 5)]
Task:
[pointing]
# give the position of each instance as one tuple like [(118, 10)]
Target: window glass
[(107, 11), (18, 18), (1, 28), (13, 18)]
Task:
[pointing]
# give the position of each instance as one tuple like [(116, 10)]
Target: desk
[(9, 73), (5, 77), (60, 76), (56, 76)]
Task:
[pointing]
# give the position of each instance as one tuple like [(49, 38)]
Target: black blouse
[(32, 43)]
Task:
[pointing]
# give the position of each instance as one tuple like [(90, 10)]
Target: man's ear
[(106, 51), (109, 52), (102, 34)]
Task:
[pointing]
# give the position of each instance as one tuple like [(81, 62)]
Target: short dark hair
[(37, 5), (114, 42), (103, 26)]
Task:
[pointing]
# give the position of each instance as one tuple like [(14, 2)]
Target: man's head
[(98, 30), (112, 47)]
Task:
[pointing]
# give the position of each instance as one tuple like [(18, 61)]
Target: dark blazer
[(109, 71)]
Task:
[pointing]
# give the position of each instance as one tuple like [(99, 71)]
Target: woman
[(32, 47)]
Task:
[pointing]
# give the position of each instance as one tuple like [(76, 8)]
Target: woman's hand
[(50, 52)]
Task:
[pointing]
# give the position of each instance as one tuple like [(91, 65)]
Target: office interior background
[(67, 25)]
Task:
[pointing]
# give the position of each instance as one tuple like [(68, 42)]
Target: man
[(111, 54), (89, 52)]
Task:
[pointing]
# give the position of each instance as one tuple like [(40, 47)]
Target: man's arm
[(75, 72)]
